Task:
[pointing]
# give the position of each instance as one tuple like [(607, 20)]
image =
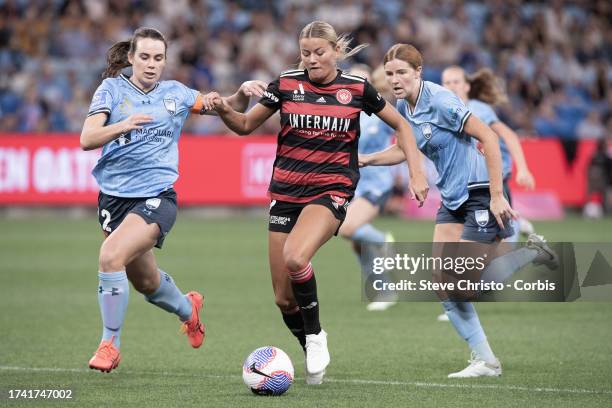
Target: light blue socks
[(464, 318), (367, 233), (503, 267), (170, 298), (113, 296)]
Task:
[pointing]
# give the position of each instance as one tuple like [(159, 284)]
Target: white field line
[(417, 384)]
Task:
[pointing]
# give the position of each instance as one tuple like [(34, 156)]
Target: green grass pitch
[(553, 354)]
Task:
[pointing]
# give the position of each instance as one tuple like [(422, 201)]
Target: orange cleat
[(106, 357), (194, 328)]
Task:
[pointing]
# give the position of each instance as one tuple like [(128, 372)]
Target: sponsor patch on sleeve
[(101, 99)]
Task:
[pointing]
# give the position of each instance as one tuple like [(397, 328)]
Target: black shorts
[(479, 224), (284, 215), (160, 210)]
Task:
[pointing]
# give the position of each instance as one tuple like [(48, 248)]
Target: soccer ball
[(268, 371)]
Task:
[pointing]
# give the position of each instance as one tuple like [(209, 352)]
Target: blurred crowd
[(554, 56)]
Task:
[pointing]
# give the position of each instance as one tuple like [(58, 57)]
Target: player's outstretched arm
[(499, 205), (524, 177), (95, 134), (407, 142), (240, 100), (388, 157), (241, 123)]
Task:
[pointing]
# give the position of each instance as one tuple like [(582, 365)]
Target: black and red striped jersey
[(317, 143)]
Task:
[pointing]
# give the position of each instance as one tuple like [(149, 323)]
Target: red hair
[(405, 52)]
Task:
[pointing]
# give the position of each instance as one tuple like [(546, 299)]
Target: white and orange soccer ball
[(268, 371)]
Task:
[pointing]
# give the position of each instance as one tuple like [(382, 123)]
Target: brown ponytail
[(486, 87), (117, 55), (117, 59)]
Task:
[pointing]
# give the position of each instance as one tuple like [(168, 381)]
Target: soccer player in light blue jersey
[(137, 121), (375, 183), (473, 208), (480, 92)]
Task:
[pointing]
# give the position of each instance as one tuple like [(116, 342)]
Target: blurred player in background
[(473, 207), (375, 183), (137, 121), (315, 171), (480, 92)]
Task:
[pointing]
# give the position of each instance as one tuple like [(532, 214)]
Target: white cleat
[(479, 368), (443, 318), (379, 306), (525, 227), (317, 357), (546, 256), (312, 379)]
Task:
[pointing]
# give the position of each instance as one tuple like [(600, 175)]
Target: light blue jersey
[(485, 112), (144, 162), (437, 122), (375, 136)]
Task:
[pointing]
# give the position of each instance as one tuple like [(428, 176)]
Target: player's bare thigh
[(359, 212), (131, 239), (142, 271), (314, 227), (444, 233)]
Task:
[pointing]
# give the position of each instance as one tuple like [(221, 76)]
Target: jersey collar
[(136, 88), (320, 85), (416, 104)]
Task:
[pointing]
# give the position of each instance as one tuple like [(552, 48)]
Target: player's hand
[(221, 106), (419, 188), (525, 179), (135, 122), (208, 100), (363, 160), (501, 210), (253, 88)]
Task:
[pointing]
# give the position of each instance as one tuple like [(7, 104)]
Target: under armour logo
[(113, 291)]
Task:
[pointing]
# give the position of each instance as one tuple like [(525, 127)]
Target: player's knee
[(110, 259), (295, 261)]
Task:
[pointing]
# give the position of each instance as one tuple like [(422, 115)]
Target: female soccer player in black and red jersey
[(315, 171)]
